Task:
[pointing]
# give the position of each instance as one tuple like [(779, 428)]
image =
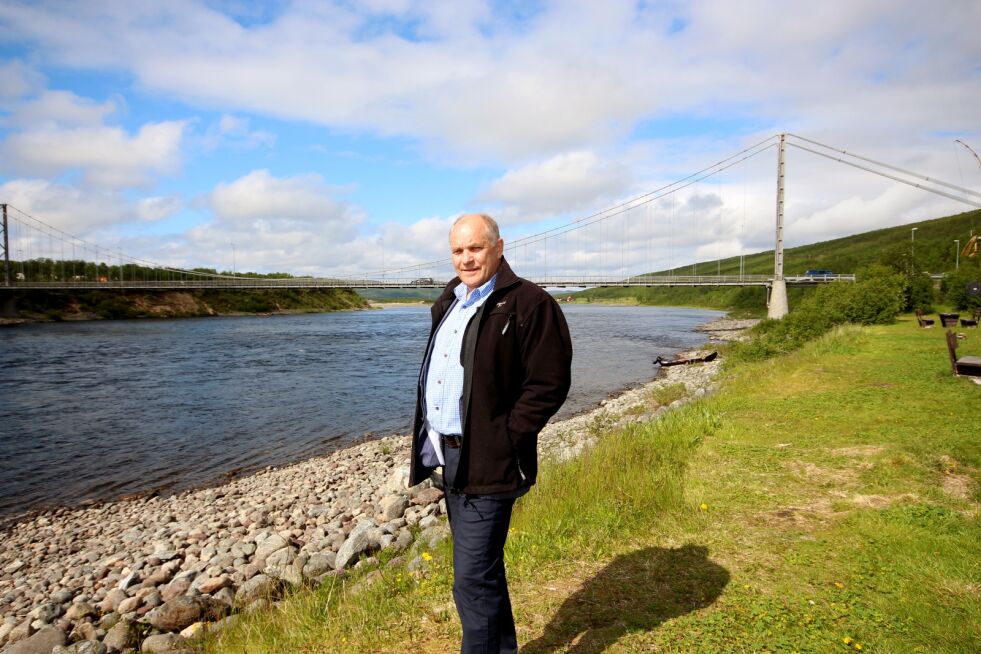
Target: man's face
[(475, 256)]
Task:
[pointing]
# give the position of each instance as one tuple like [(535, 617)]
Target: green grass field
[(824, 501)]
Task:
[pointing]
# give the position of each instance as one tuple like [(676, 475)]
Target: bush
[(954, 289), (876, 297)]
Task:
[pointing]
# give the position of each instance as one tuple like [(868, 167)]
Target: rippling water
[(96, 410)]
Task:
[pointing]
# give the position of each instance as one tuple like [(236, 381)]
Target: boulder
[(318, 564), (427, 496), (393, 506), (80, 610), (358, 542), (121, 636), (40, 643), (82, 647), (272, 543), (162, 643), (258, 587), (176, 614)]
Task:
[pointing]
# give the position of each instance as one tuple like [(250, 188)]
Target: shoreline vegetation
[(70, 306)]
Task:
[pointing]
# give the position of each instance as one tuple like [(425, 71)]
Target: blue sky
[(338, 137)]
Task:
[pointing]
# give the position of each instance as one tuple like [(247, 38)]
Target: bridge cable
[(888, 176), (889, 166)]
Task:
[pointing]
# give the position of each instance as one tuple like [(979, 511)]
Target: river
[(98, 410)]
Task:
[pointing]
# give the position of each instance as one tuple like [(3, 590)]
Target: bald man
[(497, 367)]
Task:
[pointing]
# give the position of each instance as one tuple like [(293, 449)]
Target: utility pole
[(957, 254), (6, 248), (778, 306)]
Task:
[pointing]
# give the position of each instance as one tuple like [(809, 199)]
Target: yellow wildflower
[(427, 556)]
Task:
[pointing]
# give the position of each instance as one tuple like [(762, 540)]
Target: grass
[(825, 501)]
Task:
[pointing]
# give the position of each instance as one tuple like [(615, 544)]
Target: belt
[(451, 440)]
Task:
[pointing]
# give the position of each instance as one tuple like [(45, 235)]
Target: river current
[(98, 410)]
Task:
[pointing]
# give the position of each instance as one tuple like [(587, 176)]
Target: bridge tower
[(6, 248), (777, 306)]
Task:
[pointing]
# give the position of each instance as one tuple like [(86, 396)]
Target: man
[(497, 367)]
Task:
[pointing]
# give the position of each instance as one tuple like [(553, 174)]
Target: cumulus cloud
[(73, 210), (106, 156), (570, 181)]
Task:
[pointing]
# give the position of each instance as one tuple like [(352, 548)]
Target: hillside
[(934, 253)]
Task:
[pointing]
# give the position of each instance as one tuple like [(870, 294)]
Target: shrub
[(954, 289), (877, 296)]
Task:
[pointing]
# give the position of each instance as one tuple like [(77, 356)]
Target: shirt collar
[(479, 293)]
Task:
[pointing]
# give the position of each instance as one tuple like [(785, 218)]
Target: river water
[(97, 410)]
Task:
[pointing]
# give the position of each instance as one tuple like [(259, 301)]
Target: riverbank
[(823, 501), (69, 306), (117, 570)]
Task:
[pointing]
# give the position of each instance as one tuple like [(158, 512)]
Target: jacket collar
[(505, 279)]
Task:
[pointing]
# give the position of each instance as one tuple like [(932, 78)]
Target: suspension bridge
[(618, 246)]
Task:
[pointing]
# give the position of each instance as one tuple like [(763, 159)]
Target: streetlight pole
[(912, 249), (233, 256)]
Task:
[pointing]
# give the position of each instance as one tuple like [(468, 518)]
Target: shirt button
[(437, 408)]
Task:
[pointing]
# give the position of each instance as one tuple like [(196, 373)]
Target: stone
[(194, 630), (40, 643), (175, 614), (318, 564), (84, 631), (112, 600), (21, 631), (47, 613), (269, 545), (176, 588), (211, 585), (398, 480), (428, 521), (393, 506), (162, 643), (403, 540), (427, 496), (79, 611), (121, 636), (358, 542), (128, 605), (82, 647), (258, 587)]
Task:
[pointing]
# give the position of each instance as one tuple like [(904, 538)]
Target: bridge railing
[(552, 281)]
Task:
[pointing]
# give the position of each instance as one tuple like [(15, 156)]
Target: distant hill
[(934, 252)]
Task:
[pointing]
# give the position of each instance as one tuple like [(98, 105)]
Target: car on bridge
[(819, 272), (423, 281)]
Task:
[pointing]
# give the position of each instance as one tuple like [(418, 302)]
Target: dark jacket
[(516, 358)]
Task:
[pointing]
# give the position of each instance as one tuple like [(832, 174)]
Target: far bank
[(58, 306)]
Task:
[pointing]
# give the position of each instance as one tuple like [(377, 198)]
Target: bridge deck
[(307, 282)]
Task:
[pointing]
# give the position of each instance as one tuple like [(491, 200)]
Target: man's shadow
[(636, 591)]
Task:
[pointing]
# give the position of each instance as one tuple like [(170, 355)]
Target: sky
[(342, 137)]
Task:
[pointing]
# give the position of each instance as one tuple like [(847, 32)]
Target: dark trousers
[(480, 528)]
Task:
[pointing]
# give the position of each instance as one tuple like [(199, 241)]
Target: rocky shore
[(152, 574)]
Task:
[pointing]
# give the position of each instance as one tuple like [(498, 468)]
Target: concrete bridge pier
[(777, 307)]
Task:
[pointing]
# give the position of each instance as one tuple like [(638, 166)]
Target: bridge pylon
[(777, 306)]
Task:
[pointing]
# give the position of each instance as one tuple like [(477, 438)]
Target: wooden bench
[(969, 366), (921, 321)]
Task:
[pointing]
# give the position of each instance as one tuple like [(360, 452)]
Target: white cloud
[(18, 80), (53, 109), (106, 156), (151, 209), (72, 210), (574, 181), (235, 132)]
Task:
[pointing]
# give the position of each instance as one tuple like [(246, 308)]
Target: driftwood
[(682, 362)]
